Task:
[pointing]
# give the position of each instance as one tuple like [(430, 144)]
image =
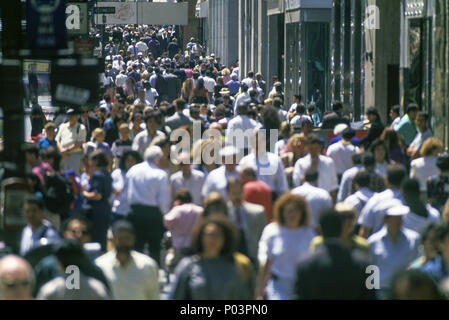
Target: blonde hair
[(430, 145), (297, 136), (96, 132), (225, 72)]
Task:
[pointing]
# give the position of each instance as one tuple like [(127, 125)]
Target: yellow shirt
[(359, 243)]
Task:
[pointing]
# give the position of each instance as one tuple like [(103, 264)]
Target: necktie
[(242, 241)]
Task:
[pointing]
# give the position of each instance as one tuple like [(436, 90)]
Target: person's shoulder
[(105, 259), (51, 289), (143, 261), (175, 176), (379, 235), (198, 174), (253, 208), (433, 212), (309, 232), (327, 160), (141, 135), (361, 243), (271, 229), (97, 287), (411, 234), (419, 162), (136, 167)]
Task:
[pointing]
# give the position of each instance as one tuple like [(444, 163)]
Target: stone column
[(383, 48)]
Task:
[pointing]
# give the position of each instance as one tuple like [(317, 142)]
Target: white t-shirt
[(327, 175), (284, 247), (151, 95), (419, 223)]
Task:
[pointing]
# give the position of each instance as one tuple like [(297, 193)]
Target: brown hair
[(215, 202), (300, 203), (229, 236)]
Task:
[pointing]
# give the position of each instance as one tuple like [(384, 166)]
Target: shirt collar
[(117, 264)]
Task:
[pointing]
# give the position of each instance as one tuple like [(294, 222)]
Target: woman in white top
[(426, 166), (282, 243), (380, 151)]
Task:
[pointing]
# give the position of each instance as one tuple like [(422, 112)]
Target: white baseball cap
[(339, 128)]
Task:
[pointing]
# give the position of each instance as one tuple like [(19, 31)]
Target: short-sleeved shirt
[(406, 129), (391, 257), (327, 176), (372, 215), (68, 136), (284, 247)]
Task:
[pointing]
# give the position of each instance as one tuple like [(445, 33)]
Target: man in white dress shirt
[(318, 199), (149, 198), (240, 129), (342, 151), (217, 179), (359, 199), (243, 97), (327, 181), (372, 216), (143, 139), (269, 166), (131, 275), (393, 247), (187, 178), (37, 227)]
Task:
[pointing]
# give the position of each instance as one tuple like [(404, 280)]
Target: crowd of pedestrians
[(256, 205)]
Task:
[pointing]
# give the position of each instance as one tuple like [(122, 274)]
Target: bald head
[(16, 278)]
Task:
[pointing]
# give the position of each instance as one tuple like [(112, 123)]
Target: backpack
[(59, 196)]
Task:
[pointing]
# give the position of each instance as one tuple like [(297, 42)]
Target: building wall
[(191, 29), (441, 94), (384, 43), (222, 30)]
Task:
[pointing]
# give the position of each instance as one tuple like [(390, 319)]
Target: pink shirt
[(180, 221)]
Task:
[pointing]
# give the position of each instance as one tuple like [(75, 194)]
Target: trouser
[(149, 228), (101, 218), (72, 162)]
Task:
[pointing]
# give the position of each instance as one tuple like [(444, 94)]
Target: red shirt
[(259, 192)]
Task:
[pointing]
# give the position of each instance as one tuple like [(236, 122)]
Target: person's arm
[(262, 278), (364, 232), (163, 196)]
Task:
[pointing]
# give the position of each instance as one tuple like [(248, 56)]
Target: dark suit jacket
[(330, 120), (177, 120), (374, 132), (173, 86), (93, 124), (333, 272), (256, 222)]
